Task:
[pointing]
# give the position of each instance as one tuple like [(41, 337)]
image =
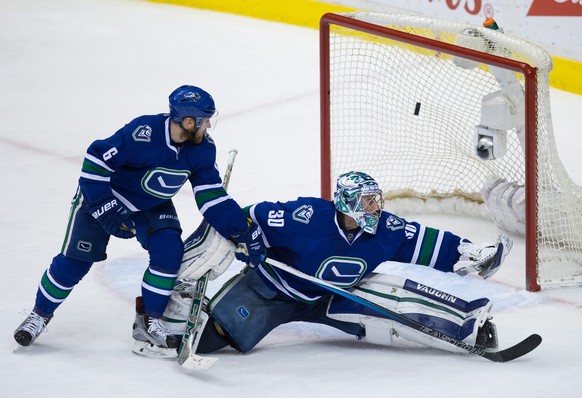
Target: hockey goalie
[(342, 242)]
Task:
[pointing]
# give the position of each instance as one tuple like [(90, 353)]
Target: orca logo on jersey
[(303, 214), (342, 271), (164, 183), (142, 133)]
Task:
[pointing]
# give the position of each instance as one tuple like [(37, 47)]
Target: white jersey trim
[(254, 218), (123, 200), (95, 177), (205, 187), (156, 290), (169, 137), (99, 162), (419, 240), (213, 203)]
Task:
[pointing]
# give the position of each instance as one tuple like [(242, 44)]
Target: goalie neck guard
[(358, 196)]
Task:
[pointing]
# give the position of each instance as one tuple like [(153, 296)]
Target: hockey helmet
[(191, 101), (354, 195)]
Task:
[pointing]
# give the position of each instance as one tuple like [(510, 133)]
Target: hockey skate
[(487, 336), (30, 329), (152, 337), (484, 259)]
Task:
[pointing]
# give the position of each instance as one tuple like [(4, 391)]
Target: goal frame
[(531, 134)]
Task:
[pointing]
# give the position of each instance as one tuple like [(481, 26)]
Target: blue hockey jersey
[(305, 234), (142, 168)]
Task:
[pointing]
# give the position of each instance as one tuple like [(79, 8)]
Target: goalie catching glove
[(484, 259)]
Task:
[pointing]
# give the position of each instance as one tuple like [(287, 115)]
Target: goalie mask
[(358, 196)]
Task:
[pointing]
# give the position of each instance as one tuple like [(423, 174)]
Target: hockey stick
[(187, 357), (506, 355)]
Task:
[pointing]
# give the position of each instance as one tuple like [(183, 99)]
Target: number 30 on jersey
[(276, 218)]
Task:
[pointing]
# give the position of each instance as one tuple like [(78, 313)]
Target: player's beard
[(192, 135)]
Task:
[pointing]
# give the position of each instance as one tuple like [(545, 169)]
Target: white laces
[(157, 327), (35, 324)]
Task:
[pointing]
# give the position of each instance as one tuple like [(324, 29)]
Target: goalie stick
[(187, 357), (506, 355)]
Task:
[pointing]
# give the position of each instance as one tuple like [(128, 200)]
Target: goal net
[(451, 117)]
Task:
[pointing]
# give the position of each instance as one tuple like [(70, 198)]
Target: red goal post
[(402, 98)]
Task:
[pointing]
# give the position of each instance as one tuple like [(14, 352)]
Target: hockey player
[(343, 242), (126, 187)]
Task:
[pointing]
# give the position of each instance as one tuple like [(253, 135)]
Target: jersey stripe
[(98, 162), (75, 206), (428, 244), (95, 177), (213, 203), (437, 249), (52, 290), (418, 245)]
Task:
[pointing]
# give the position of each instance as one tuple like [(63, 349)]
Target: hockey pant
[(158, 231)]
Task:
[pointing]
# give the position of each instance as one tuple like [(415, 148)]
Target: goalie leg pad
[(204, 250), (177, 311), (439, 310)]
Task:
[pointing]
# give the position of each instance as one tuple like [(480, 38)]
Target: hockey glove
[(113, 216), (250, 246), (485, 258)]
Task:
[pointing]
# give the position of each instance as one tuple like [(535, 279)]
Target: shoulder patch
[(142, 133), (394, 223), (303, 214)]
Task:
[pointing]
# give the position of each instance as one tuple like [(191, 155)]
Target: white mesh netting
[(406, 115)]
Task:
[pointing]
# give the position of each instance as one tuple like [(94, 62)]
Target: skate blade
[(145, 349), (18, 348)]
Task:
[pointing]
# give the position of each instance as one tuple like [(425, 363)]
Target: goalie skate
[(487, 336)]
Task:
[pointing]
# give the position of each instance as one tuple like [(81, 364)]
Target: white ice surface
[(73, 71)]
